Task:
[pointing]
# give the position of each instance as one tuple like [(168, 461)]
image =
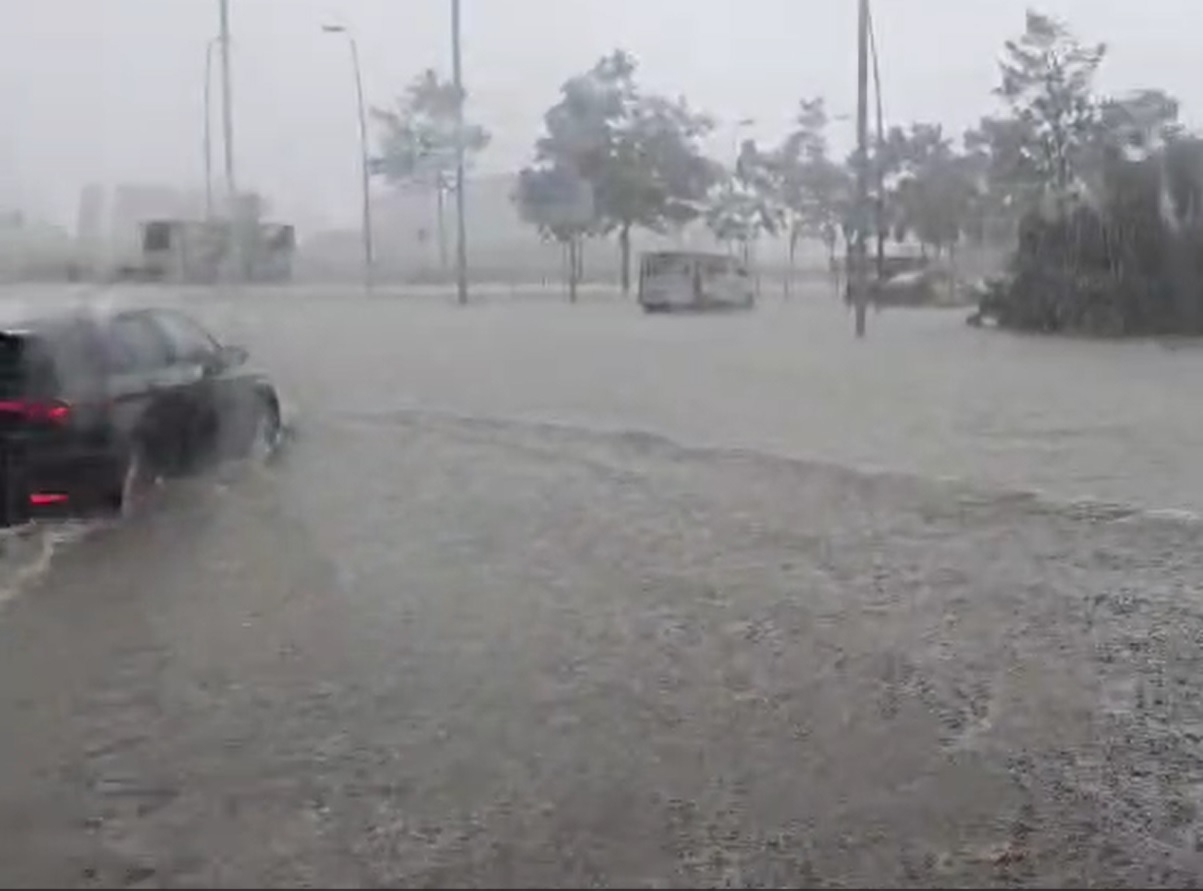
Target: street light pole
[(461, 234), (209, 128), (860, 278), (736, 131), (227, 107), (236, 224), (364, 164)]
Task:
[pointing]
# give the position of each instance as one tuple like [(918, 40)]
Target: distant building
[(502, 247), (110, 222)]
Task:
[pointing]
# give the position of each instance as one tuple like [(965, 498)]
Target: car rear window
[(26, 368)]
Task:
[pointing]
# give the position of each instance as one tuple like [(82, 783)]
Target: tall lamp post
[(461, 234), (737, 129), (737, 175), (208, 133), (241, 267), (227, 101), (364, 163)]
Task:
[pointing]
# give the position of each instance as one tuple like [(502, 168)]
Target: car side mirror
[(231, 356)]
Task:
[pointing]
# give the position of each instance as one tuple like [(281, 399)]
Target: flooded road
[(923, 394), (446, 643)]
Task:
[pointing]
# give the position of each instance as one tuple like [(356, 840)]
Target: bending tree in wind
[(417, 143), (638, 152), (745, 203), (1047, 82), (814, 190)]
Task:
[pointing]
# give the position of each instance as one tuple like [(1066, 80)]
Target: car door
[(152, 396), (216, 392)]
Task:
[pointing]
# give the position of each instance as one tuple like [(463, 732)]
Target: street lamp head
[(334, 29)]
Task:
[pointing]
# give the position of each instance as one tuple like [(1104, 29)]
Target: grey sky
[(105, 90)]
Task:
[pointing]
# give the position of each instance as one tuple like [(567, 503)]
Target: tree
[(559, 204), (1140, 122), (657, 177), (418, 142), (639, 152), (746, 201), (934, 188), (1007, 183), (1047, 81), (814, 190)]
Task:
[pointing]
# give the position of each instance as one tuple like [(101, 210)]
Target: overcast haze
[(110, 90)]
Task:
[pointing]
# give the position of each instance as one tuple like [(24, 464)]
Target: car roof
[(42, 312)]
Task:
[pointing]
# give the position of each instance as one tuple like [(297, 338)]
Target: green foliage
[(540, 196), (1047, 83), (934, 188), (1129, 264), (746, 203), (1102, 195), (638, 152), (418, 137), (1109, 193), (813, 190)]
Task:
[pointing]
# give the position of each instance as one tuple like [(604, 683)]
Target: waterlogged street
[(566, 595), (923, 394)]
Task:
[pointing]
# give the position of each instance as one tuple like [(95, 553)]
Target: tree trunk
[(580, 258), (833, 267), (566, 261), (441, 222), (790, 263), (624, 250), (574, 246), (952, 272)]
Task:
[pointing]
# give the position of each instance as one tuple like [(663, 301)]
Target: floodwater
[(560, 595), (923, 394)]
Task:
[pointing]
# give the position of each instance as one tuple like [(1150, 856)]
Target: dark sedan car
[(96, 406)]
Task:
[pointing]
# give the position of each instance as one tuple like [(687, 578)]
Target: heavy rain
[(457, 443)]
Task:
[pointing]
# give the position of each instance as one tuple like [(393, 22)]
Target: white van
[(679, 280)]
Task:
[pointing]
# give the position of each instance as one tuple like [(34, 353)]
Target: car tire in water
[(265, 432), (135, 482)]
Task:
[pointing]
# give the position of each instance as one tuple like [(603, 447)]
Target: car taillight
[(42, 499), (42, 412)]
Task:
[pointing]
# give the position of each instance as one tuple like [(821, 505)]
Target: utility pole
[(860, 265), (461, 234), (227, 126), (208, 129)]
